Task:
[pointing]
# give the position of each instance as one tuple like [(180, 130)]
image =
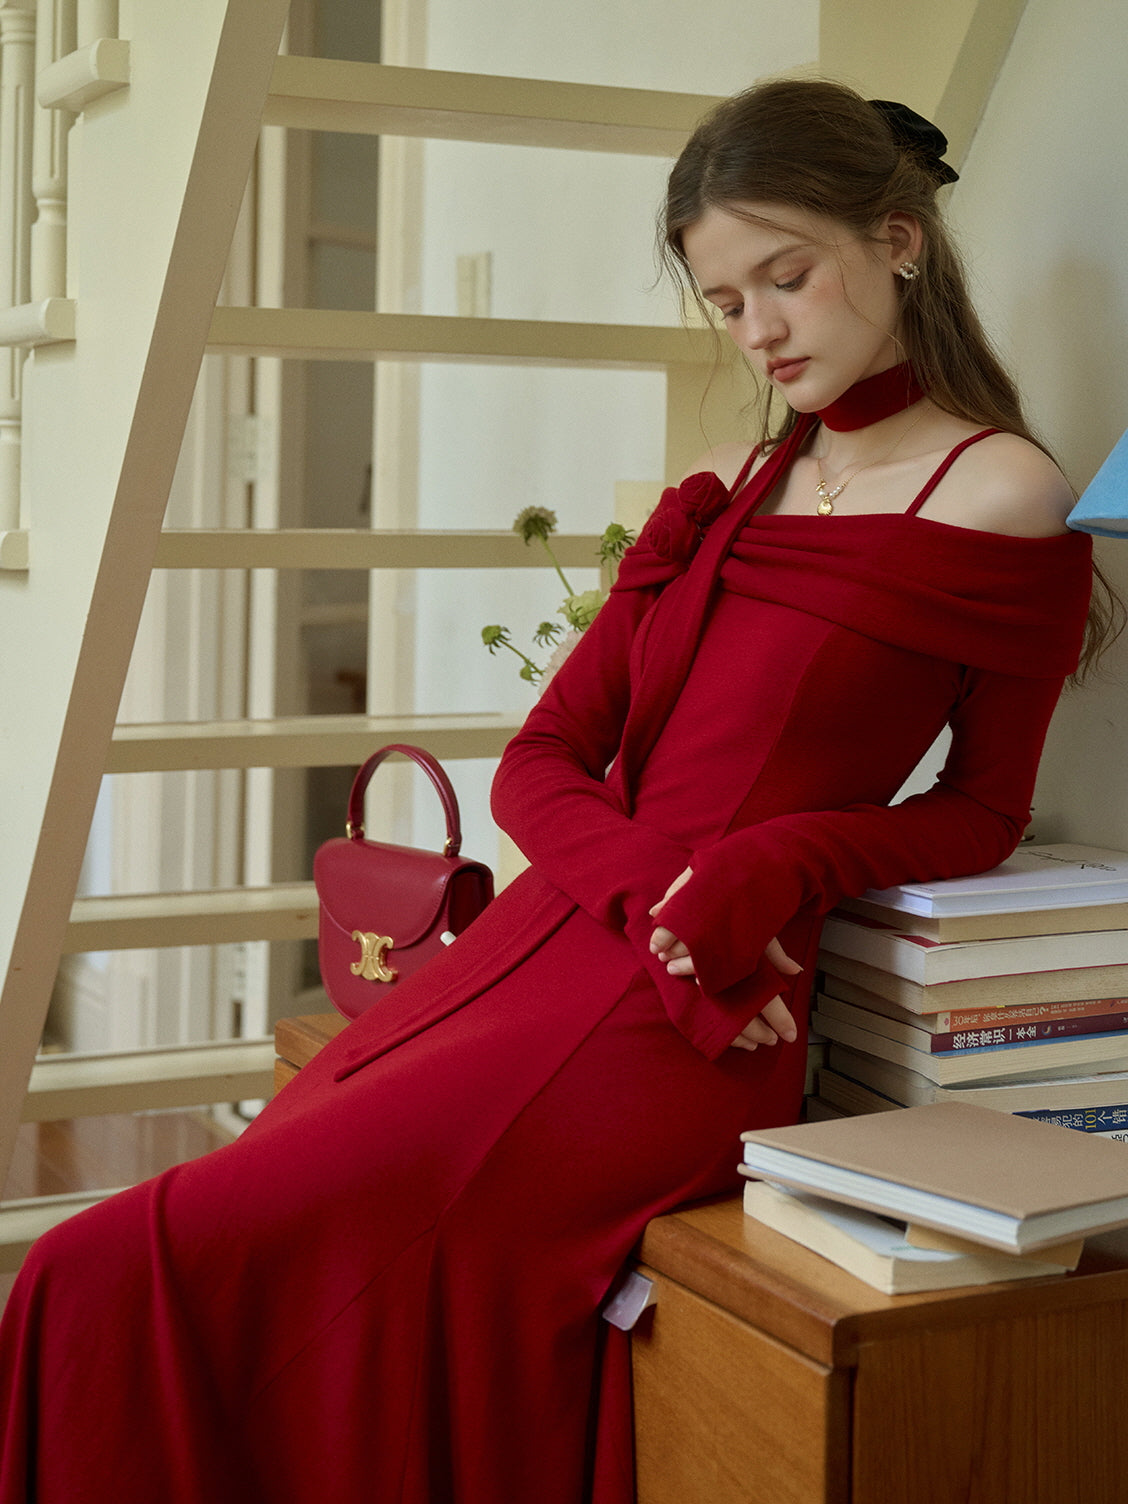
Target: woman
[(389, 1288)]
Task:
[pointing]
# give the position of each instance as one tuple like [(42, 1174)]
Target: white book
[(1056, 876), (874, 1249), (933, 962)]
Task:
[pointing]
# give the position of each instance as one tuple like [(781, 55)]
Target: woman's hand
[(774, 1022)]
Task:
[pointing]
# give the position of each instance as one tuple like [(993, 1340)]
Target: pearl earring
[(909, 270)]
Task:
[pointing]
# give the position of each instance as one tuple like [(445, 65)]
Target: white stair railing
[(17, 207), (117, 322), (152, 191)]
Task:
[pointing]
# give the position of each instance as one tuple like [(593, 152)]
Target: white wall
[(1044, 217), (666, 44), (571, 236)]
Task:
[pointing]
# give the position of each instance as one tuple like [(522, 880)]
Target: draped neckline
[(874, 572)]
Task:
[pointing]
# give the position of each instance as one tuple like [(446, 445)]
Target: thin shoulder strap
[(945, 465), (734, 489)]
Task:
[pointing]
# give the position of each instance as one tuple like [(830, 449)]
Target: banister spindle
[(55, 38), (17, 207), (96, 19)]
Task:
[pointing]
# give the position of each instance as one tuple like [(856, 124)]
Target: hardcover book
[(1002, 1181)]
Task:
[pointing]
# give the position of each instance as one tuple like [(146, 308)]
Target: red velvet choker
[(874, 398)]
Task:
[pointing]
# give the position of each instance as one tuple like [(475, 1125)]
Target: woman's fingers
[(674, 952), (678, 882), (662, 941), (777, 1016), (775, 953), (773, 1024)]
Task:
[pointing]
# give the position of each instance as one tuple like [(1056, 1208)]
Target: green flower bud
[(614, 543)]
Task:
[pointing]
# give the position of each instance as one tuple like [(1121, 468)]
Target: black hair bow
[(912, 132)]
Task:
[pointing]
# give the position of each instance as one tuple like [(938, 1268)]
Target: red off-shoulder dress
[(389, 1288)]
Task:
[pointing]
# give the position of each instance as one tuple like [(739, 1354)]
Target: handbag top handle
[(354, 829)]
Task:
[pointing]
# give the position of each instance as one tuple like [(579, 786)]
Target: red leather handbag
[(386, 910)]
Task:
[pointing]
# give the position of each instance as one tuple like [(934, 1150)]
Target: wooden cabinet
[(297, 1040), (765, 1375)]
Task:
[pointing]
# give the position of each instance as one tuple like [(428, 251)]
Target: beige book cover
[(1009, 1182), (878, 1251)]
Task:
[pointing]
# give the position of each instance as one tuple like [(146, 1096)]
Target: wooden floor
[(90, 1154)]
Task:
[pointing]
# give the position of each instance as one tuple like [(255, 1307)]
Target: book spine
[(963, 1067), (932, 962), (1071, 985), (954, 1020), (1109, 1122), (960, 1019), (1026, 1033)]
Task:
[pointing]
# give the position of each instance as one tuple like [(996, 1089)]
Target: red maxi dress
[(389, 1288)]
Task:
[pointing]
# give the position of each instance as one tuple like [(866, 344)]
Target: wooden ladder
[(166, 121)]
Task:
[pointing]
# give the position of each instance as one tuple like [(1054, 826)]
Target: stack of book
[(937, 1196), (1008, 990)]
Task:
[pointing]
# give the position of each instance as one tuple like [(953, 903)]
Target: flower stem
[(556, 566), (531, 671)]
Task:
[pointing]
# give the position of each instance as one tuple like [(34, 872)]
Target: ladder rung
[(79, 78), (49, 322), (364, 548), (383, 99), (74, 1086), (346, 334), (21, 1222), (320, 741), (130, 921), (15, 553)]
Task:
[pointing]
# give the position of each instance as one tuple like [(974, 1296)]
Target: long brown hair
[(819, 147)]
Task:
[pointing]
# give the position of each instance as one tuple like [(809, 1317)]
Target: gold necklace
[(827, 498)]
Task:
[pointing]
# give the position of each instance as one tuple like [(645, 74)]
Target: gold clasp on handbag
[(373, 952)]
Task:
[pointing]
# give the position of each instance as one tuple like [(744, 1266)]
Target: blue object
[(1103, 507)]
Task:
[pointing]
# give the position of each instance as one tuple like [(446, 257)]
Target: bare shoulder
[(1003, 484), (725, 461)]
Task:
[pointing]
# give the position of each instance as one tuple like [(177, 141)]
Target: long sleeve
[(747, 885), (550, 792), (551, 796)]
